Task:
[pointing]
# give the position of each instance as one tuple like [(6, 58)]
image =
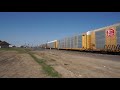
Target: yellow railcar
[(106, 38), (86, 41), (102, 39), (52, 44)]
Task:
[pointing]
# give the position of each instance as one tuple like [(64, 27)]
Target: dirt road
[(82, 65), (67, 63)]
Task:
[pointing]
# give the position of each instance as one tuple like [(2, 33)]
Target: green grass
[(47, 68), (20, 50)]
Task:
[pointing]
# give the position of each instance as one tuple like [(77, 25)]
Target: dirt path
[(15, 65), (79, 65), (69, 64)]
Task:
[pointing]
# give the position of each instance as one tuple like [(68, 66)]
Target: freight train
[(102, 39)]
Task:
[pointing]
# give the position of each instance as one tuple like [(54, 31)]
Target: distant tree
[(22, 46), (14, 46)]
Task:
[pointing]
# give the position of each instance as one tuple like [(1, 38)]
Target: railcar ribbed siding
[(71, 42), (79, 41), (60, 43), (63, 43), (100, 39), (65, 40), (76, 41), (118, 34), (68, 46)]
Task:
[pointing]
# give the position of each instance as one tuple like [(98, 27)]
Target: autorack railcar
[(102, 39)]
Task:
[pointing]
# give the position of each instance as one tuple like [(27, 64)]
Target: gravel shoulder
[(69, 64), (81, 64)]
